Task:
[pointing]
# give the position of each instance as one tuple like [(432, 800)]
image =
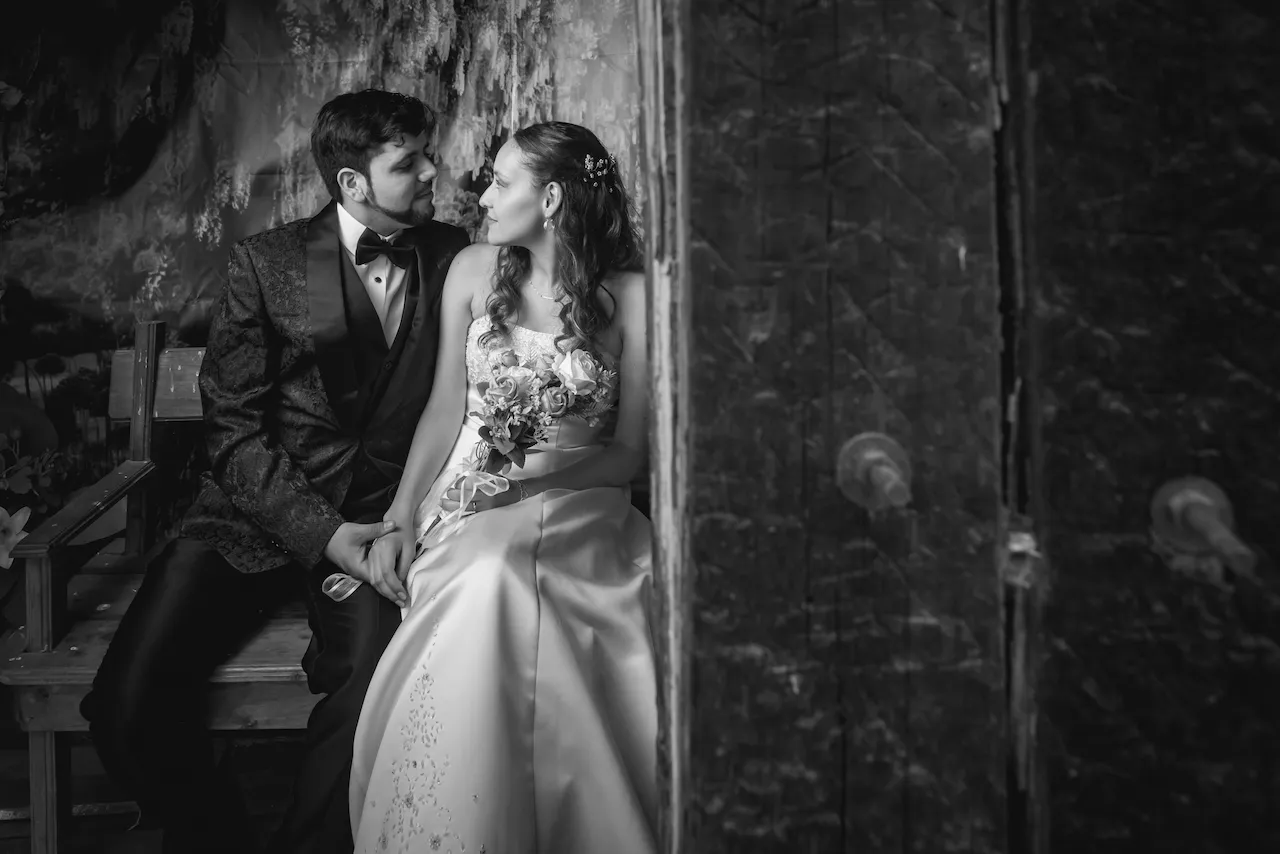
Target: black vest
[(392, 387)]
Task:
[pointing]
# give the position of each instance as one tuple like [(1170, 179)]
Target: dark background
[(1157, 184), (852, 271)]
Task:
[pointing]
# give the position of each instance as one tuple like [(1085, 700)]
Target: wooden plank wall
[(848, 685), (1156, 163)]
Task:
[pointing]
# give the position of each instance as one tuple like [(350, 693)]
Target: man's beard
[(409, 217)]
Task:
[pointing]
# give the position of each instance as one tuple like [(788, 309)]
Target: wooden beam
[(232, 706), (50, 799), (148, 341), (83, 510), (663, 32), (273, 654), (1025, 570)]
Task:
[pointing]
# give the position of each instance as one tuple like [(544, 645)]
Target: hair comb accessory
[(598, 169)]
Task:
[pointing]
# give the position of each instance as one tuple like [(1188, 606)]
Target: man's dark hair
[(350, 129)]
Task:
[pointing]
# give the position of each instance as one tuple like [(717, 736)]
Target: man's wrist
[(327, 552)]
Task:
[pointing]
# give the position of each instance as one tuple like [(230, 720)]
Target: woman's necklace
[(547, 297)]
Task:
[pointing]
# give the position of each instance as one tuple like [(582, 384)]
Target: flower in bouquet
[(510, 413), (590, 384), (579, 372), (555, 401)]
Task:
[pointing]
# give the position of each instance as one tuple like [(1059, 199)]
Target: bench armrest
[(83, 510)]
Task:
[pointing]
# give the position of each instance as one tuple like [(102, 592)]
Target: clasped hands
[(380, 553)]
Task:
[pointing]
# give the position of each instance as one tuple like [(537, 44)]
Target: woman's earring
[(548, 225)]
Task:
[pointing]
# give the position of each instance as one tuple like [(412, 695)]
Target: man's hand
[(348, 549)]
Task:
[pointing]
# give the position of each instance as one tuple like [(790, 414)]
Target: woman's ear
[(552, 197)]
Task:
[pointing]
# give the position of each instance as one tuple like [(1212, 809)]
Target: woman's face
[(514, 206)]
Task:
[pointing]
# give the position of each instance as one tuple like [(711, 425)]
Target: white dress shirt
[(383, 280)]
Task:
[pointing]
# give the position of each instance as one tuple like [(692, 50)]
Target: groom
[(318, 365)]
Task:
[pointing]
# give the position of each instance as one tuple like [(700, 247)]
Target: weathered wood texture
[(663, 43), (1159, 250), (849, 683)]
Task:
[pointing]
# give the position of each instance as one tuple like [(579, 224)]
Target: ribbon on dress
[(470, 484)]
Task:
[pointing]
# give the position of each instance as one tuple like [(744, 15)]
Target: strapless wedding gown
[(515, 710)]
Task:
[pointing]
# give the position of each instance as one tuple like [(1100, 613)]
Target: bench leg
[(50, 790)]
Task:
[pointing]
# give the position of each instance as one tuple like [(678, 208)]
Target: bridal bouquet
[(519, 405)]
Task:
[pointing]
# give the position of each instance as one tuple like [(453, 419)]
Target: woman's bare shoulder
[(624, 290), (620, 279), (476, 259), (471, 274)]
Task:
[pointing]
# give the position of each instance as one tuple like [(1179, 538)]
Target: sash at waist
[(564, 435)]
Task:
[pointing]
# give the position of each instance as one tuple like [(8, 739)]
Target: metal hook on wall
[(872, 470), (1193, 516)]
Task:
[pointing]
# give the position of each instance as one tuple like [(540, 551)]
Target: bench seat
[(263, 686)]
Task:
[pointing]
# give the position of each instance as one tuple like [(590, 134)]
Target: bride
[(515, 710)]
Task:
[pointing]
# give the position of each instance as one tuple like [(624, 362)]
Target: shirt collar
[(350, 229)]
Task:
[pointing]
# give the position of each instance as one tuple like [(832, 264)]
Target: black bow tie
[(370, 246)]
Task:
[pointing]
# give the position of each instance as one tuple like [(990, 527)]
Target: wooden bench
[(72, 611)]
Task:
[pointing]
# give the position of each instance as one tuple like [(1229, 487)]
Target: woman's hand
[(384, 555), (515, 491), (392, 554)]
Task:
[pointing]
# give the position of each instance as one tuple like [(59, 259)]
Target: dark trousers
[(148, 705)]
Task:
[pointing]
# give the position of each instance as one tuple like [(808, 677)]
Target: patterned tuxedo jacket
[(300, 389)]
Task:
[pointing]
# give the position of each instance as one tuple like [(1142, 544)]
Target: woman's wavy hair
[(594, 231)]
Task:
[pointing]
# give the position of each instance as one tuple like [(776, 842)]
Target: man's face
[(399, 184)]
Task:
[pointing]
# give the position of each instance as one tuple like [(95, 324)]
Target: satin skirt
[(515, 710)]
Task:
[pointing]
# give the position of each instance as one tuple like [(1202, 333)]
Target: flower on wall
[(11, 533), (9, 96)]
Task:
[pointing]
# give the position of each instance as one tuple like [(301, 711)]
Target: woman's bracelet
[(520, 485)]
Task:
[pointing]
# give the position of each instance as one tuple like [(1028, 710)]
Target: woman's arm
[(442, 418), (619, 462)]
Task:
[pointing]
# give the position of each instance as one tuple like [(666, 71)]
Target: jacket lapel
[(433, 261), (329, 332)]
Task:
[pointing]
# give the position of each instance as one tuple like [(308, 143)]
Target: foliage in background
[(134, 149)]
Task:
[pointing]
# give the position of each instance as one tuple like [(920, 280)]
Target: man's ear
[(352, 184)]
